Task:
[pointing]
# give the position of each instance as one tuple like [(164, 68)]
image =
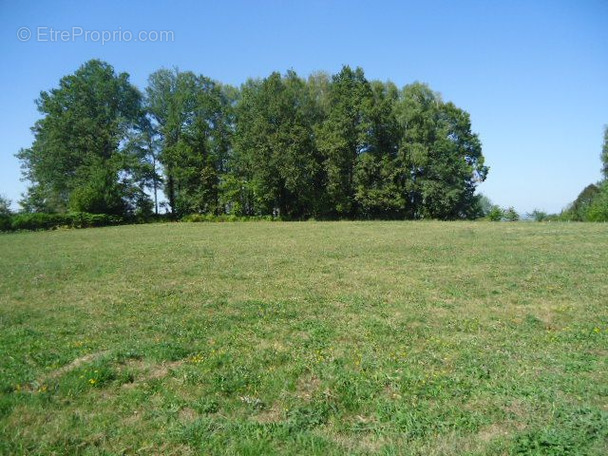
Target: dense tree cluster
[(325, 147), (591, 205)]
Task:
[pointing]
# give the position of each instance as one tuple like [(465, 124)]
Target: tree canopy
[(336, 146), (77, 159)]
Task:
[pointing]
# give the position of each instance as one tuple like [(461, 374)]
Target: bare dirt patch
[(147, 372), (271, 415), (187, 415), (307, 387)]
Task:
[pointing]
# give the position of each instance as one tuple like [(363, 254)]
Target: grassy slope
[(291, 338)]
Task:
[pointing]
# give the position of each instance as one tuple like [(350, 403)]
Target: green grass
[(305, 338)]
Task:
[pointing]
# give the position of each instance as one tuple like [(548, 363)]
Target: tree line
[(336, 146), (591, 205)]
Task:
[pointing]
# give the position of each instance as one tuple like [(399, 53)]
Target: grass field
[(305, 338)]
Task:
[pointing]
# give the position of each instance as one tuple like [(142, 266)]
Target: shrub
[(198, 218), (42, 221), (5, 222), (511, 215), (37, 221), (228, 218), (496, 214), (538, 215)]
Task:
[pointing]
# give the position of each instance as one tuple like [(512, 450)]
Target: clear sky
[(533, 74)]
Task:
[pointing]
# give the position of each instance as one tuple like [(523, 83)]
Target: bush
[(37, 221), (86, 220), (538, 215), (42, 221), (5, 222), (511, 215), (496, 214), (228, 218)]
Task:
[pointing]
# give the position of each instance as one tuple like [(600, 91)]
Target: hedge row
[(38, 221), (52, 221), (228, 218)]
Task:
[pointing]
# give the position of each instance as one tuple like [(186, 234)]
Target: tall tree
[(458, 167), (76, 159), (200, 149), (142, 152), (164, 106), (440, 157), (376, 192), (577, 211), (275, 144), (418, 112), (344, 136), (189, 113), (5, 205)]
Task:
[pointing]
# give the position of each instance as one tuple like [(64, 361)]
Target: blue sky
[(532, 74)]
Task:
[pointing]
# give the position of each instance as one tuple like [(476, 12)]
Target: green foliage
[(5, 222), (229, 218), (440, 160), (377, 193), (538, 216), (5, 206), (5, 214), (235, 194), (344, 136), (38, 221), (577, 212), (100, 194), (598, 209), (511, 215), (590, 206), (79, 138), (496, 214), (142, 153), (42, 221), (191, 117), (483, 206), (326, 147), (277, 159)]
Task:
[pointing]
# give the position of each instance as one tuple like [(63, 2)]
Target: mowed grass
[(305, 338)]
